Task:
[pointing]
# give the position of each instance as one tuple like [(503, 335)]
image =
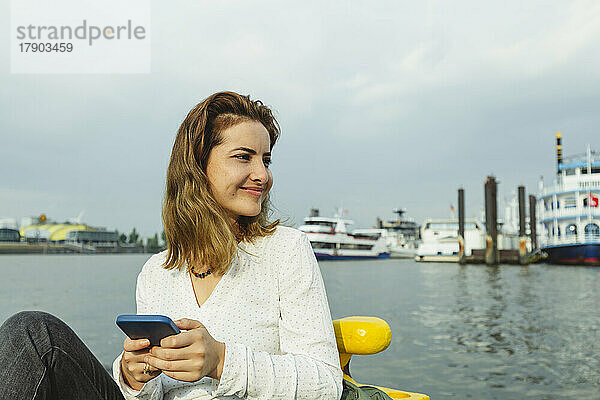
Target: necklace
[(202, 274)]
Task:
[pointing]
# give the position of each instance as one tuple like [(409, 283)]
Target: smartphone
[(152, 327)]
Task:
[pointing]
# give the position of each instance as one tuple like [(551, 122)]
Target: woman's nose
[(259, 172)]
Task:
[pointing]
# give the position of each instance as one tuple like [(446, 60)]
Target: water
[(458, 331)]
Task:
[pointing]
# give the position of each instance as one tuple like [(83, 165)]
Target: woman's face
[(238, 169)]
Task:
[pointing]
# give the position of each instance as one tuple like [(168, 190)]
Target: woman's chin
[(249, 211)]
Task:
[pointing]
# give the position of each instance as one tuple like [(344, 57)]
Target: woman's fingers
[(135, 345), (182, 339), (147, 370), (175, 365), (187, 324), (133, 364), (136, 371), (170, 354), (183, 376)]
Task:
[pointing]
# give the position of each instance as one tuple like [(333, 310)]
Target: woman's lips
[(253, 192)]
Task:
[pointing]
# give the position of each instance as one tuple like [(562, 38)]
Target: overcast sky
[(382, 104)]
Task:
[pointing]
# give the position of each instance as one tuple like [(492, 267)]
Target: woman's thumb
[(134, 345), (187, 324)]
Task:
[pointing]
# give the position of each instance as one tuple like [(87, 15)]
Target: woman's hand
[(190, 355), (133, 368)]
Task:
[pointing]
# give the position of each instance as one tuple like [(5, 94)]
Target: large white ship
[(570, 211), (331, 240)]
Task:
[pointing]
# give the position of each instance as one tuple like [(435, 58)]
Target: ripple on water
[(477, 332)]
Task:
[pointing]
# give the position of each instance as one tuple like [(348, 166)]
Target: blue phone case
[(153, 327)]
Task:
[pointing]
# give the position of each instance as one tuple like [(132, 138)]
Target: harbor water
[(506, 332)]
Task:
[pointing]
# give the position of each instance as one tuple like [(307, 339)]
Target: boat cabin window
[(322, 245), (373, 236), (570, 202), (321, 223), (571, 230), (595, 170), (570, 171), (448, 226), (592, 230), (556, 232), (354, 246)]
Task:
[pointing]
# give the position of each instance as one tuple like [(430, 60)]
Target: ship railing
[(583, 184), (561, 213), (573, 212), (573, 239), (592, 237)]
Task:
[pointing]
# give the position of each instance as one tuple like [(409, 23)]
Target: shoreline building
[(70, 234), (9, 235)]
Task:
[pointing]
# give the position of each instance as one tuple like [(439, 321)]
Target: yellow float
[(366, 335)]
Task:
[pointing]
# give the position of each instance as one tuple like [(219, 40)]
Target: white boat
[(439, 239), (397, 245), (570, 210), (400, 235), (403, 235), (331, 240)]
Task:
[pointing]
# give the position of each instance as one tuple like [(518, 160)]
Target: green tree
[(134, 237), (152, 243), (123, 238)]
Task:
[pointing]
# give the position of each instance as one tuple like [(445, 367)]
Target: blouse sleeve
[(152, 390), (309, 367)]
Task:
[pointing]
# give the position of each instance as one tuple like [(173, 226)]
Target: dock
[(491, 254)]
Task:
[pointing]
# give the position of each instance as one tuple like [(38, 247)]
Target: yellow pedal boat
[(366, 335)]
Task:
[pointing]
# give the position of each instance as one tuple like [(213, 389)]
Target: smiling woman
[(219, 164), (246, 293)]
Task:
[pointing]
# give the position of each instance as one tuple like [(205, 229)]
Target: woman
[(247, 294)]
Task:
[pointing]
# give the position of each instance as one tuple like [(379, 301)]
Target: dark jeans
[(42, 358)]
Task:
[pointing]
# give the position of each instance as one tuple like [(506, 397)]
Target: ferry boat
[(570, 210), (400, 235), (439, 239), (331, 240)]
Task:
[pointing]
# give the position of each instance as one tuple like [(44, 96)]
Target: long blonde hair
[(197, 229)]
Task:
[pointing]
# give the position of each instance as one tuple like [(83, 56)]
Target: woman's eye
[(245, 157)]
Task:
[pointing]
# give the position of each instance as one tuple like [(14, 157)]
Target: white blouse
[(271, 311)]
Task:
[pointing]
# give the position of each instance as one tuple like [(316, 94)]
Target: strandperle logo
[(84, 31)]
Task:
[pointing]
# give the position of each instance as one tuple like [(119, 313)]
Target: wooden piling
[(461, 226), (491, 219), (533, 222), (523, 257)]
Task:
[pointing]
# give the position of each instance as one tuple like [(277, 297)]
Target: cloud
[(381, 104)]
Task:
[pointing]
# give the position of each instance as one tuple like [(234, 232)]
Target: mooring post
[(533, 222), (461, 226), (491, 222), (523, 258)]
